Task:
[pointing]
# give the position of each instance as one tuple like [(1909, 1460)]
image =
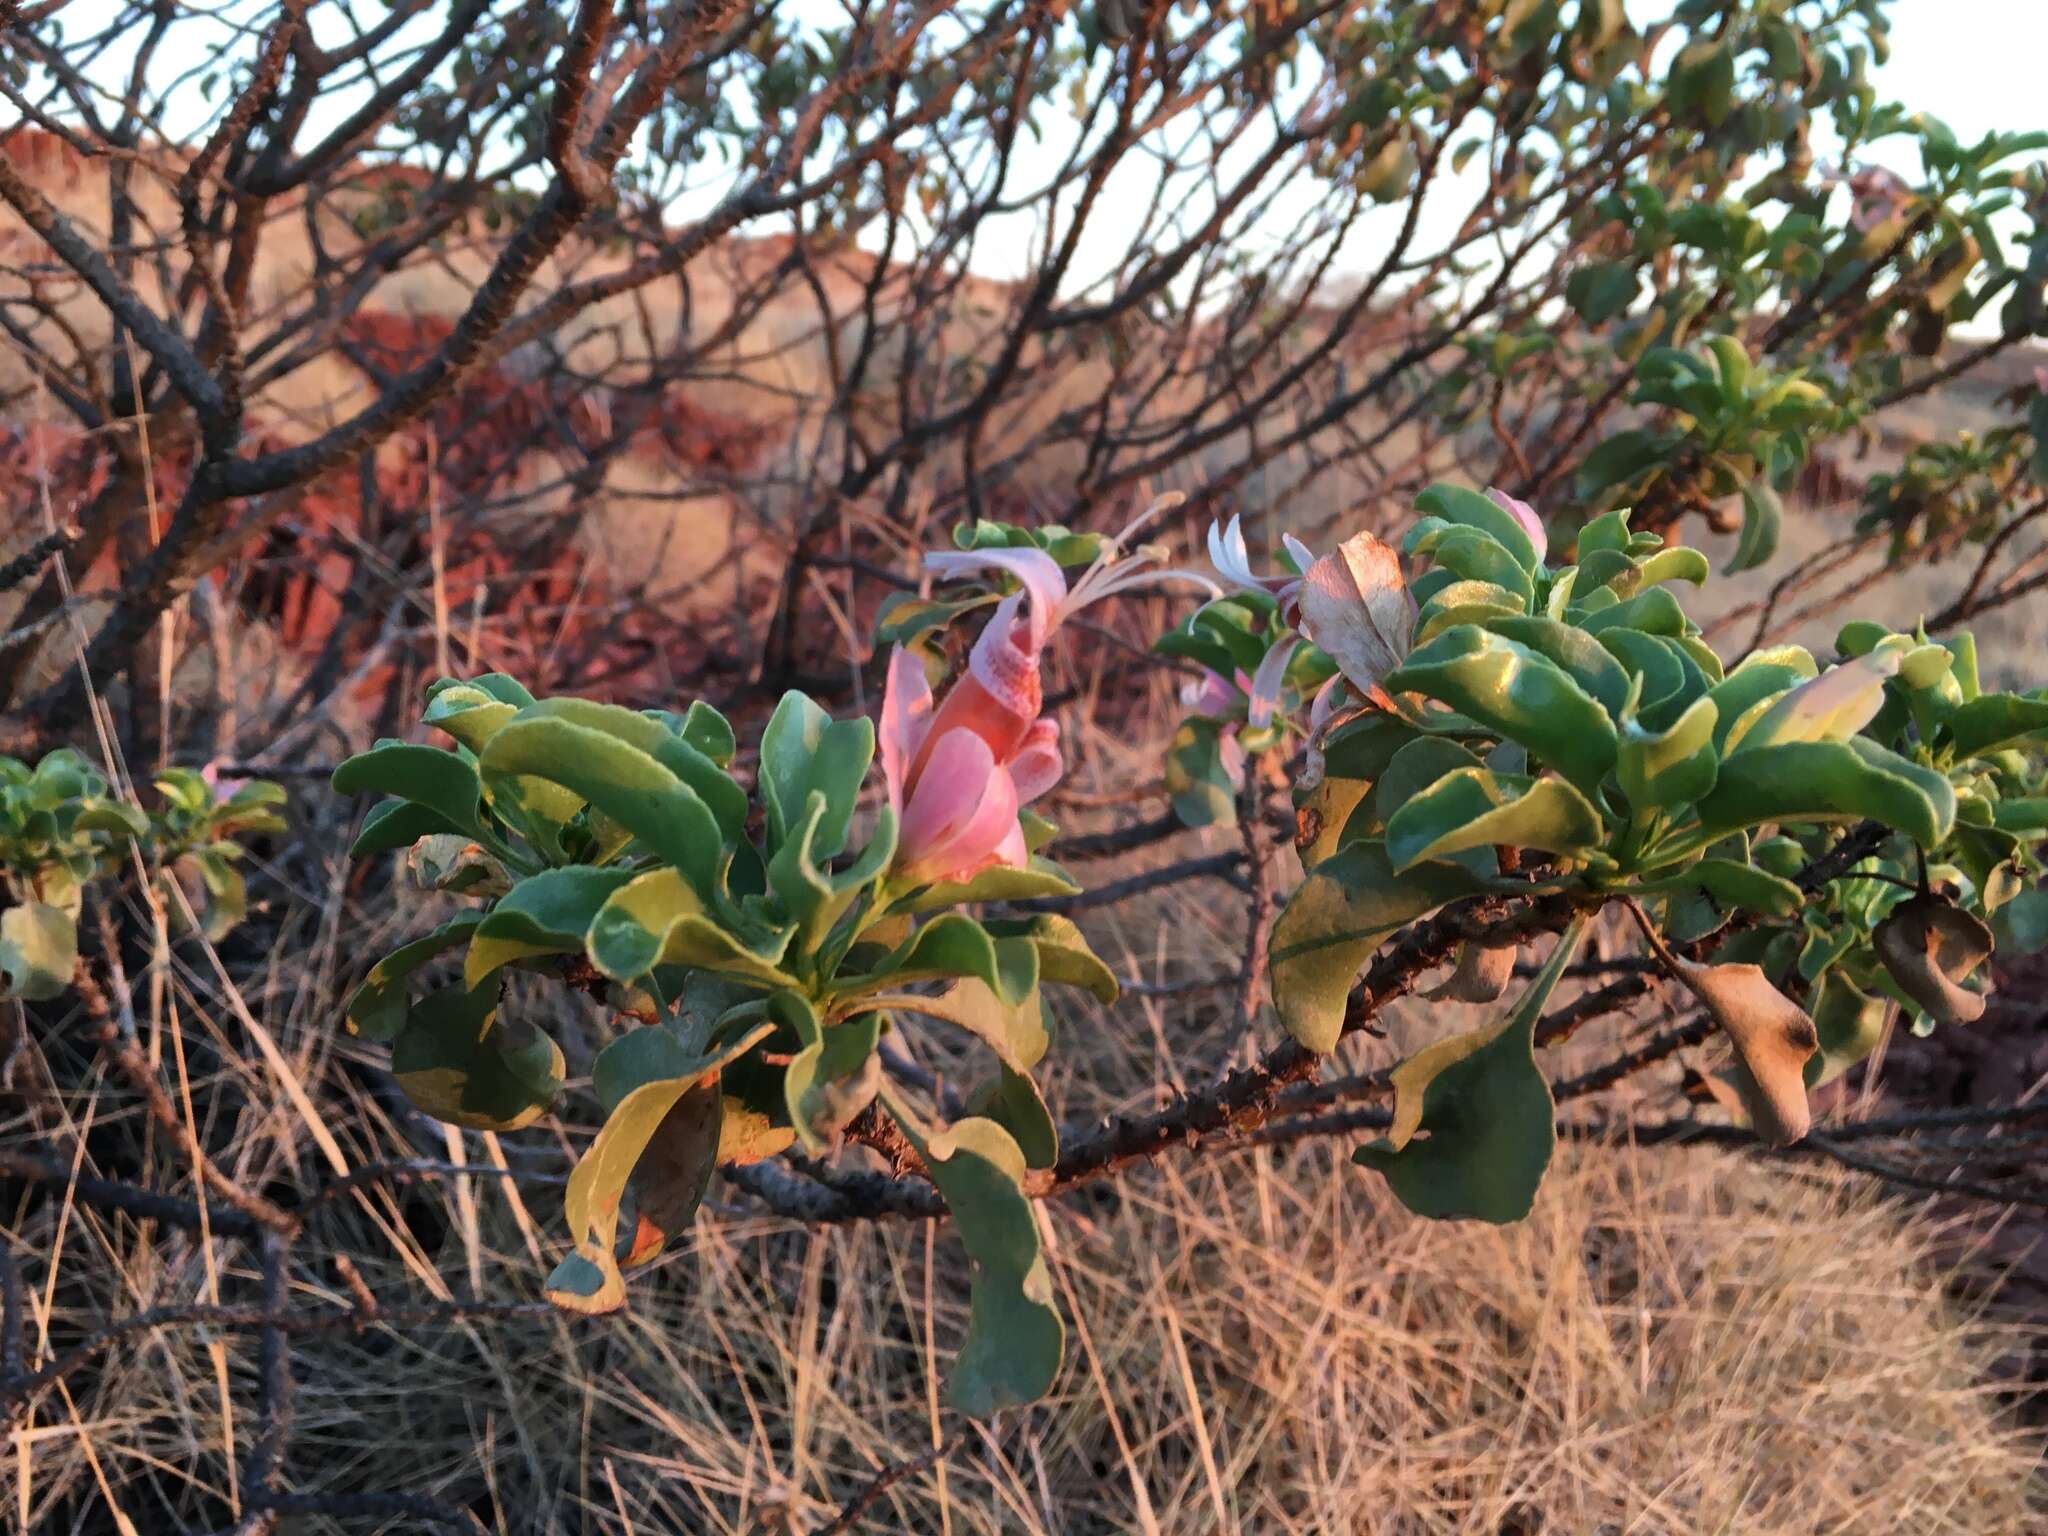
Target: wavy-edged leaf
[(1674, 767), (1808, 781), (426, 776), (629, 785), (394, 824), (1518, 693), (657, 919), (815, 895), (1015, 1337), (1479, 808), (1456, 504), (803, 749), (1330, 927), (1589, 663), (835, 1074), (1064, 954), (545, 914), (1995, 720), (588, 1280)]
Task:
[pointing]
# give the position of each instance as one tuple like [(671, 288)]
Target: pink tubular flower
[(1227, 552), (958, 773), (1524, 514)]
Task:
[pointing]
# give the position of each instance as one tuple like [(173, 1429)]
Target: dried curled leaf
[(1481, 975), (1930, 947), (1356, 608), (1773, 1037)]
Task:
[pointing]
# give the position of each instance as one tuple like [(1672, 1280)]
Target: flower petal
[(1264, 686), (906, 716), (960, 814), (1037, 767), (1044, 581)]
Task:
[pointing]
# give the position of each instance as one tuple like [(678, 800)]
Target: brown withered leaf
[(1356, 608), (1772, 1036), (1930, 946)]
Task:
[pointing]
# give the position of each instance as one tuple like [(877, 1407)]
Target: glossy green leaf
[(426, 776), (1830, 781), (1762, 676), (1590, 664), (1478, 808), (1456, 504), (1332, 924), (905, 618), (1996, 720), (999, 882), (1014, 1102), (804, 749), (1518, 693), (545, 914), (1667, 769), (711, 784), (664, 814), (656, 919), (1015, 1031), (814, 894), (1476, 555)]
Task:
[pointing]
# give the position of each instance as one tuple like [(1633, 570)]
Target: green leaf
[(1735, 884), (999, 882), (657, 919), (948, 946), (815, 895), (1488, 1111), (804, 749), (545, 914), (1335, 920), (1763, 675), (1518, 693), (1589, 663), (1015, 1031), (1013, 1101), (1197, 778), (834, 1076), (619, 779), (1064, 955), (1651, 612), (1456, 504), (1602, 290), (1623, 463), (905, 618), (426, 776), (1763, 516), (1821, 781), (1668, 769), (38, 951), (1478, 808), (1015, 1337), (378, 1008), (654, 736), (1849, 1022), (1995, 720), (1701, 87), (399, 824), (1476, 555), (466, 711), (458, 1061)]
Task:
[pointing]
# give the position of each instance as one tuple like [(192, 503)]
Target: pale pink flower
[(224, 787), (1213, 694), (958, 773), (1227, 552)]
